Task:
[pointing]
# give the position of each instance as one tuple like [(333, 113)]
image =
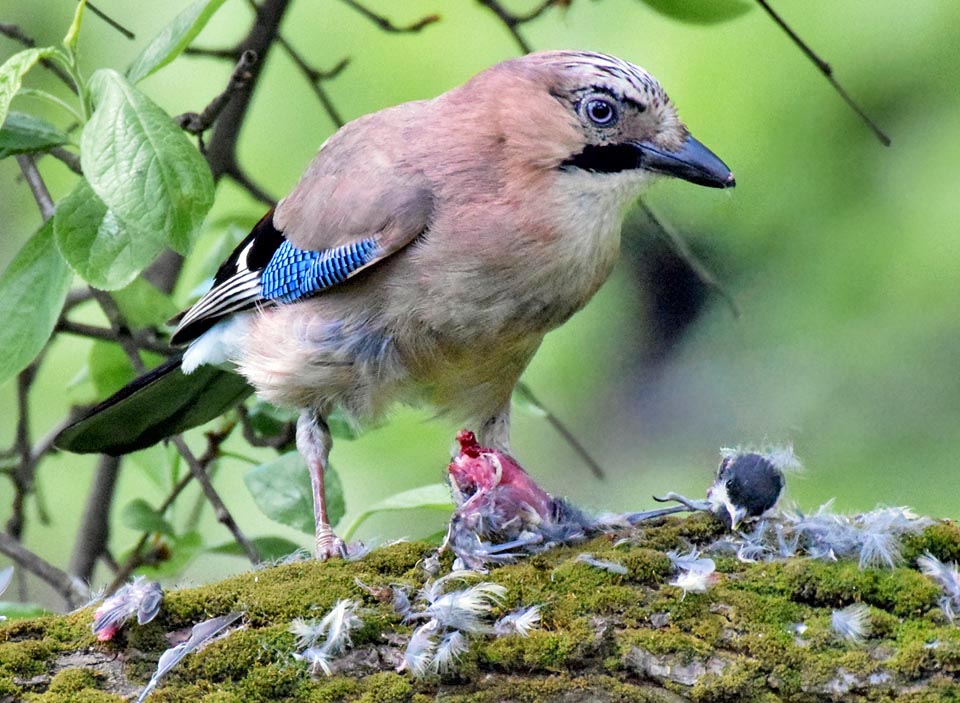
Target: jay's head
[(582, 112)]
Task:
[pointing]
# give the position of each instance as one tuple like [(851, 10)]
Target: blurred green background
[(842, 255)]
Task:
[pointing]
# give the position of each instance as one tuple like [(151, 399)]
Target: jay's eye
[(600, 111)]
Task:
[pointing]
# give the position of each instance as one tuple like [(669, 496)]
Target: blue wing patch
[(294, 273)]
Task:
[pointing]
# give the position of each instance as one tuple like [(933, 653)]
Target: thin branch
[(230, 54), (72, 590), (198, 123), (109, 20), (22, 476), (39, 189), (315, 78), (220, 510), (124, 337), (682, 249), (236, 174), (284, 438), (137, 558), (146, 343), (388, 26), (567, 436), (827, 72), (71, 160), (513, 21), (222, 149), (14, 32), (93, 533)]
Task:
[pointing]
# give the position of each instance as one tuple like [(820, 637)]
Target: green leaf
[(33, 289), (12, 73), (183, 550), (142, 165), (107, 252), (22, 134), (434, 496), (139, 515), (269, 548), (172, 39), (110, 369), (73, 34), (700, 11), (281, 489), (524, 399), (142, 304)]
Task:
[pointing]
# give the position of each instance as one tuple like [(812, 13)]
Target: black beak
[(692, 162)]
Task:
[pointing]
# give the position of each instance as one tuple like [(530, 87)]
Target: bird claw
[(328, 545)]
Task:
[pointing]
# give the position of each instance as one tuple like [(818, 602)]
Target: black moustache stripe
[(606, 158)]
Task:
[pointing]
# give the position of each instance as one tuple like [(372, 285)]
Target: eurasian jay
[(428, 249)]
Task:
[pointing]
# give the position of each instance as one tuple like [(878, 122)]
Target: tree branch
[(198, 123), (219, 508), (682, 249), (388, 26), (72, 590), (94, 531), (14, 32), (513, 21), (39, 189), (827, 72), (109, 20)]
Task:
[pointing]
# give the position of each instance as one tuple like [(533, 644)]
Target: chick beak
[(692, 162)]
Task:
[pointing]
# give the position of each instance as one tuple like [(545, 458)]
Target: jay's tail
[(161, 403)]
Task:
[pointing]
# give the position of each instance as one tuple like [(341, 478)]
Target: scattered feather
[(451, 648), (140, 597), (947, 576), (611, 566), (420, 650), (335, 628), (691, 582), (852, 623), (695, 572), (520, 621), (201, 633), (463, 610)]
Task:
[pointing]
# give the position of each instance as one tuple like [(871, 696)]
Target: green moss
[(332, 690), (903, 592), (941, 539), (86, 696), (740, 683), (25, 659), (73, 680), (386, 687), (8, 689), (272, 682)]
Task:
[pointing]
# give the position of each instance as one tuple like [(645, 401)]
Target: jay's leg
[(314, 442), (495, 431)]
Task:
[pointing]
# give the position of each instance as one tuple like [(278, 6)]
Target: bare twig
[(198, 123), (388, 26), (137, 558), (109, 20), (124, 337), (315, 78), (72, 590), (827, 72), (39, 189), (94, 531), (71, 160), (220, 510), (141, 341), (283, 439), (222, 149), (682, 249), (23, 475), (513, 21), (231, 54), (567, 435), (14, 32)]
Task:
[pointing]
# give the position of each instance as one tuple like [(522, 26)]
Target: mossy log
[(603, 637)]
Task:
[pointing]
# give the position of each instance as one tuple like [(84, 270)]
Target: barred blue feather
[(294, 273)]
